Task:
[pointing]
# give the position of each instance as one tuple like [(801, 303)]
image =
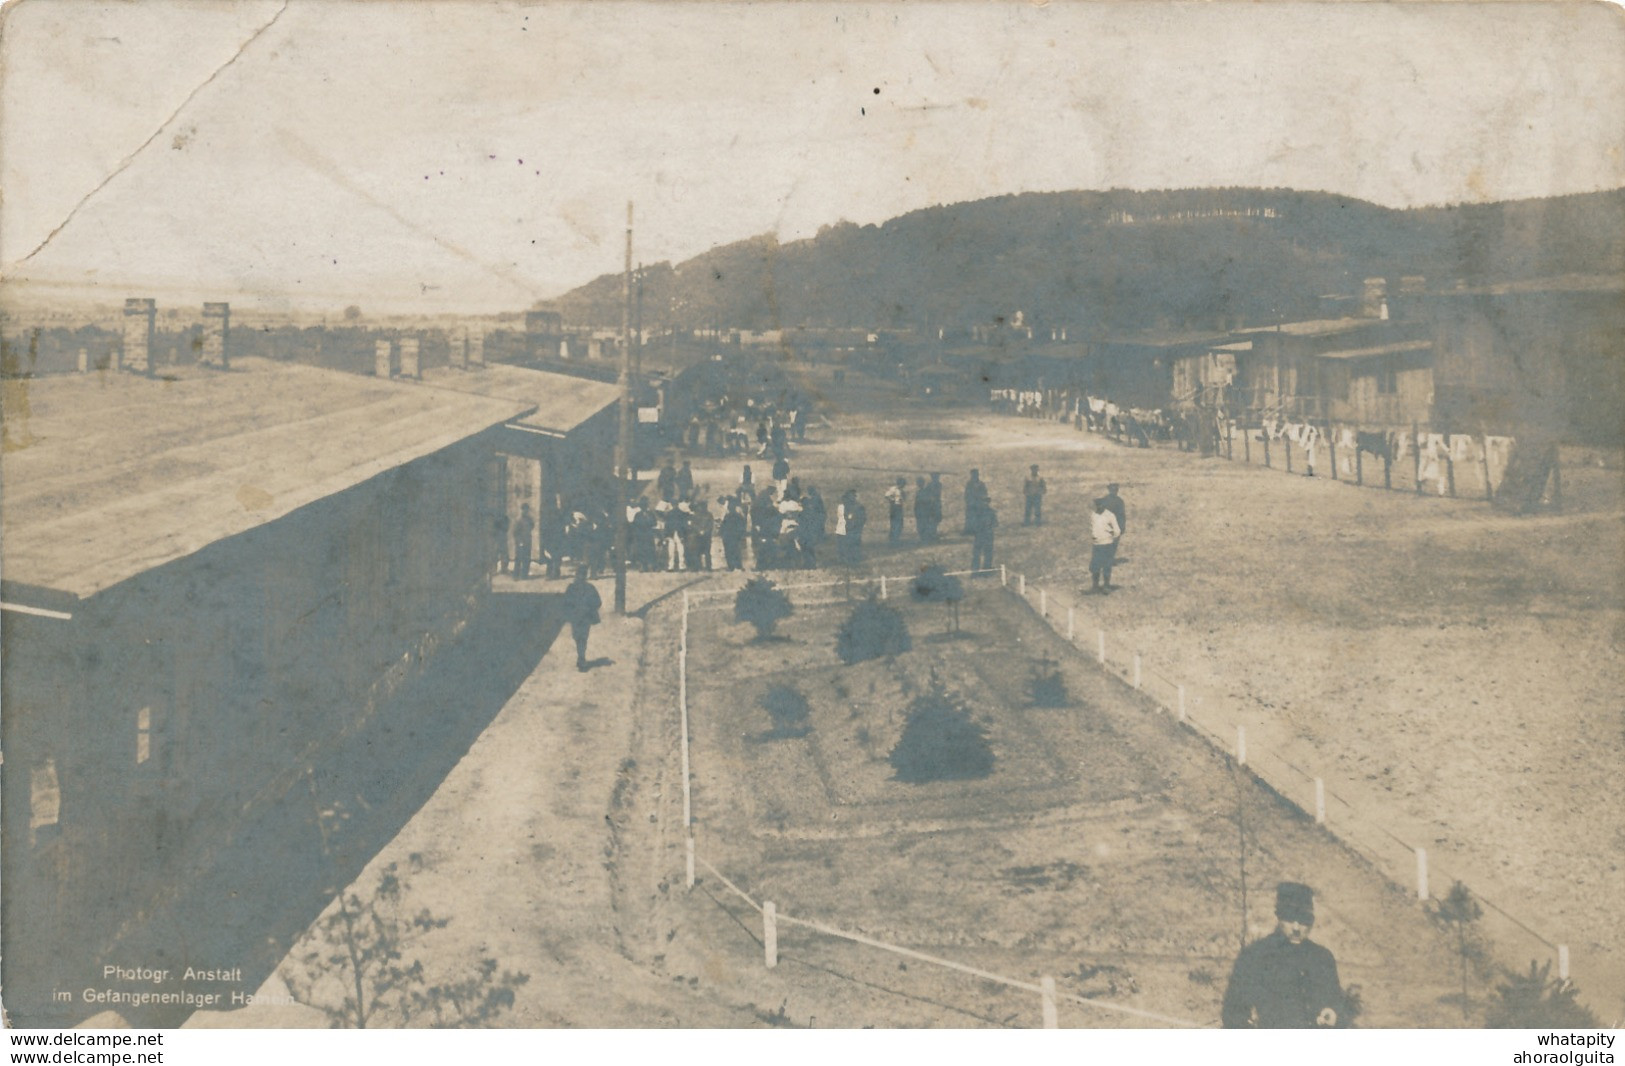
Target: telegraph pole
[(637, 365), (623, 442)]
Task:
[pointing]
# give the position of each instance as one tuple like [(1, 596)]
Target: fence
[(880, 586), (1404, 862), (1456, 465), (1418, 460)]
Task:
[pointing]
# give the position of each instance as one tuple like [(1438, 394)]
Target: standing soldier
[(814, 519), (1103, 532), (1286, 980), (1114, 504), (922, 507), (732, 528), (1033, 490), (982, 522), (894, 510), (666, 481), (704, 529), (975, 495), (522, 530), (931, 498), (581, 603)]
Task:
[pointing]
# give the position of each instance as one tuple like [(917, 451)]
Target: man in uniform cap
[(1286, 980)]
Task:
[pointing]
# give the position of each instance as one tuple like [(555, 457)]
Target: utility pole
[(623, 442), (637, 365)]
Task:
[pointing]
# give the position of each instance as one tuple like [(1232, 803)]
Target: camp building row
[(1536, 355), (211, 577)]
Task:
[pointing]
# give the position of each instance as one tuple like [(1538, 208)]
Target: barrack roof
[(109, 475), (555, 403)]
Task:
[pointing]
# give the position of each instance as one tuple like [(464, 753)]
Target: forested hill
[(1113, 260)]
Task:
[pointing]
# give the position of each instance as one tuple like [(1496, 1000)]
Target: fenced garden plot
[(1102, 847)]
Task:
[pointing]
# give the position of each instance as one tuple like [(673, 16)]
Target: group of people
[(780, 524), (580, 536), (728, 424), (777, 525)]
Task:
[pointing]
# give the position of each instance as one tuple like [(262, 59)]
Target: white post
[(1103, 647), (1046, 987), (1071, 622), (882, 586), (1241, 745), (1136, 670), (770, 933), (1181, 703), (1562, 962), (1004, 576), (1021, 584), (1320, 802), (1043, 604), (682, 715), (1422, 874)]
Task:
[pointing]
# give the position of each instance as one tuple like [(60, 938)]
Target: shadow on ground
[(243, 903)]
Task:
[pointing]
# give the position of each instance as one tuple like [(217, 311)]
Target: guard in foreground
[(1286, 980)]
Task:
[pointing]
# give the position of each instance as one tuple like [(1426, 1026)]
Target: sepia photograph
[(813, 515)]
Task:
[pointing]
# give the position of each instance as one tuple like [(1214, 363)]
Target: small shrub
[(1046, 688), (1536, 1000), (762, 604), (789, 711), (940, 741), (872, 631), (1460, 911), (936, 585)]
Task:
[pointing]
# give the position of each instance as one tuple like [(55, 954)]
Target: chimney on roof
[(216, 328), (383, 362), (1374, 298), (409, 358), (138, 326)]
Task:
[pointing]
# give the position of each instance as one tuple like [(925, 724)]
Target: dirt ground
[(1450, 671), (1103, 849)]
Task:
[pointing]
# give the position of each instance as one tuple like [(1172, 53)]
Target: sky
[(463, 155)]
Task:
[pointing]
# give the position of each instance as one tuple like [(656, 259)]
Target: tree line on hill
[(1112, 261)]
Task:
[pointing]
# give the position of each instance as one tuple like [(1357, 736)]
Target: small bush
[(872, 631), (1046, 687), (789, 711), (936, 585), (940, 741), (1536, 1000), (762, 604)]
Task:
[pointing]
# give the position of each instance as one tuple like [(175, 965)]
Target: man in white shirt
[(1103, 531)]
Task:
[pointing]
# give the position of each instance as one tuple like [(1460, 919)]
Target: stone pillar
[(382, 361), (216, 330), (458, 342), (139, 315), (476, 346), (409, 358)]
